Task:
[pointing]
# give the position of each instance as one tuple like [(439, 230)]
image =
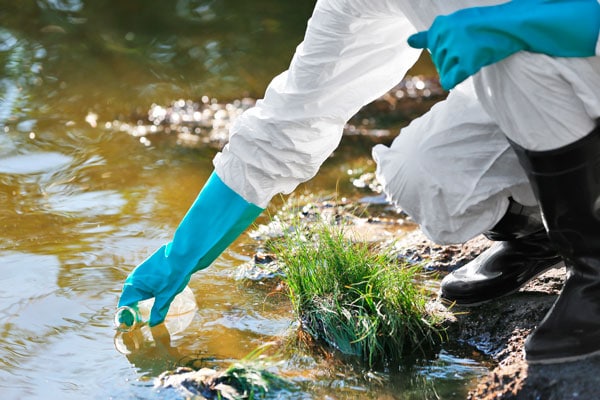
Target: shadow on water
[(81, 205)]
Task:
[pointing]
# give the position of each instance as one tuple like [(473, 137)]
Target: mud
[(498, 329)]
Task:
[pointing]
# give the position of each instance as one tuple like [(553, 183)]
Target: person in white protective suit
[(453, 169)]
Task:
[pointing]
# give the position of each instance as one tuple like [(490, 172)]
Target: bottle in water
[(180, 315)]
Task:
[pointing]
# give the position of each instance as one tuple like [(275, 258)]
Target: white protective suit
[(452, 169)]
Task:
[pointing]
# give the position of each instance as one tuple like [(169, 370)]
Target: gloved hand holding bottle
[(467, 40), (216, 218)]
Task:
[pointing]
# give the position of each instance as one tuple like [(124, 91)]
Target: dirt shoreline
[(499, 329)]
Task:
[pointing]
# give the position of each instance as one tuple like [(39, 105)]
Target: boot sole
[(560, 360), (559, 264)]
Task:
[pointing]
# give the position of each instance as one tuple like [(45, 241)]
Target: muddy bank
[(498, 329)]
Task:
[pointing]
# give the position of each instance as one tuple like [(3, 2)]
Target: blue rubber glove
[(467, 40), (213, 222)]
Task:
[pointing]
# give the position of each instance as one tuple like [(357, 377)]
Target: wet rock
[(263, 266), (207, 383), (249, 378)]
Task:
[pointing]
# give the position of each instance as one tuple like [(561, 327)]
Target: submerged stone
[(242, 380)]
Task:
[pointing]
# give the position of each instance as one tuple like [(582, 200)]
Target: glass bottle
[(180, 315)]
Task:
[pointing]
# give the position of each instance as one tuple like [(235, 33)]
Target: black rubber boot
[(521, 252), (566, 182)]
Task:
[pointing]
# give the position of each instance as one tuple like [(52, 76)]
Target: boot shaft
[(566, 182)]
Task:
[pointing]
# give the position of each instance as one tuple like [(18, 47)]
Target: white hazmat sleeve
[(347, 59)]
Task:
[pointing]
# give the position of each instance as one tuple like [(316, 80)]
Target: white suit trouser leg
[(452, 170), (540, 102)]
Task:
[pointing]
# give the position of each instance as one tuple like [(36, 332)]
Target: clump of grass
[(357, 301)]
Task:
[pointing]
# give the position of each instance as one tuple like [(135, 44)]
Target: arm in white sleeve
[(353, 52)]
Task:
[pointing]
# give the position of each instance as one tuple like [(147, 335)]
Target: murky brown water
[(81, 205)]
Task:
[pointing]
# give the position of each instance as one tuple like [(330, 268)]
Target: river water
[(81, 204)]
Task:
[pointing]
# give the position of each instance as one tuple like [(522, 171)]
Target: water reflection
[(18, 283), (104, 202), (21, 69), (154, 354), (33, 163)]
